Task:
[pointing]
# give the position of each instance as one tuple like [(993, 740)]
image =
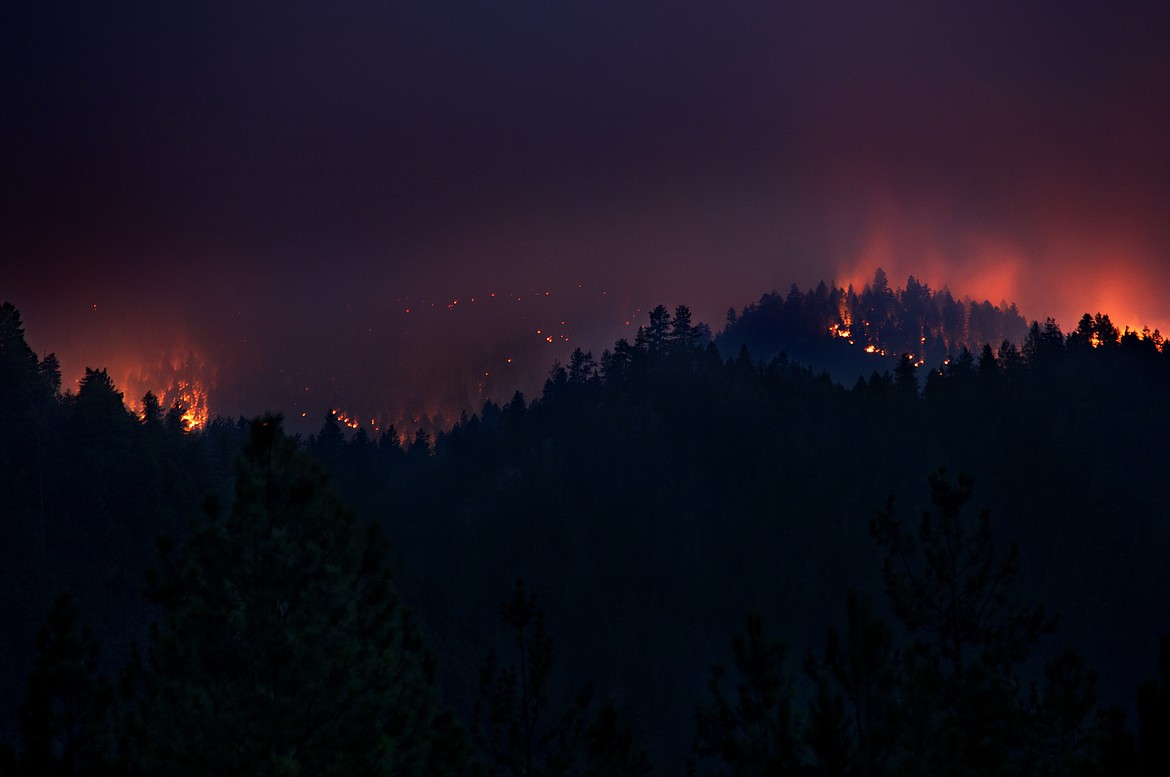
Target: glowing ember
[(345, 419), (841, 331)]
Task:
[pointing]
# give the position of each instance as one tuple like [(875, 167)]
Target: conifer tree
[(284, 648), (65, 719), (853, 717), (755, 732), (515, 724), (950, 587)]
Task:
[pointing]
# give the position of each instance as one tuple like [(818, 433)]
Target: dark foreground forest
[(686, 556)]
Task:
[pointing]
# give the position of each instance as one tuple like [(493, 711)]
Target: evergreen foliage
[(516, 725), (284, 648), (853, 718), (652, 496), (65, 718), (832, 328), (753, 733)]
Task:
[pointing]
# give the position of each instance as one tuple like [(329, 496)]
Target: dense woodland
[(841, 330), (685, 556)]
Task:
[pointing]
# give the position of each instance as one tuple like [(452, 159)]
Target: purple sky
[(269, 188)]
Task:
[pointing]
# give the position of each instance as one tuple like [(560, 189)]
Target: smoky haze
[(266, 190)]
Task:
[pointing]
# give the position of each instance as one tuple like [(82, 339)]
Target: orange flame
[(177, 380)]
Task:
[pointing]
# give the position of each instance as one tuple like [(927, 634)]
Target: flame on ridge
[(183, 381)]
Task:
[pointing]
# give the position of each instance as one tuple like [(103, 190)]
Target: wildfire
[(176, 381), (841, 331), (844, 327), (344, 419), (192, 397)]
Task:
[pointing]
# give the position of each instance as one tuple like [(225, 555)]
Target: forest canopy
[(678, 502)]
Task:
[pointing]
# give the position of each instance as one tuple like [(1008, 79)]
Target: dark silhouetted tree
[(682, 332), (18, 364), (1106, 333), (100, 416), (657, 334), (610, 749), (987, 369), (329, 441), (853, 719), (1010, 362), (49, 371), (420, 447), (514, 723), (905, 380), (1042, 345), (283, 648), (615, 365), (1084, 336), (582, 368), (1064, 717), (152, 415), (949, 585), (754, 732), (174, 419), (66, 717)]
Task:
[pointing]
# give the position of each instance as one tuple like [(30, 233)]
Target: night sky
[(264, 191)]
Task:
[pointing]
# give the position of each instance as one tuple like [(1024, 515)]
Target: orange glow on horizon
[(1059, 270)]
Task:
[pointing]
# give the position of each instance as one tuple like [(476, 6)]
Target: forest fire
[(191, 396), (871, 320), (345, 419), (184, 383), (844, 327), (841, 331), (1112, 274)]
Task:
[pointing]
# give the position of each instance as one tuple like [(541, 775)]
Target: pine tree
[(284, 648), (515, 724), (65, 719), (755, 732), (658, 331), (950, 587), (854, 717)]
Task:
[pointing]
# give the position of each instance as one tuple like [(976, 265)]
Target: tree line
[(651, 498)]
